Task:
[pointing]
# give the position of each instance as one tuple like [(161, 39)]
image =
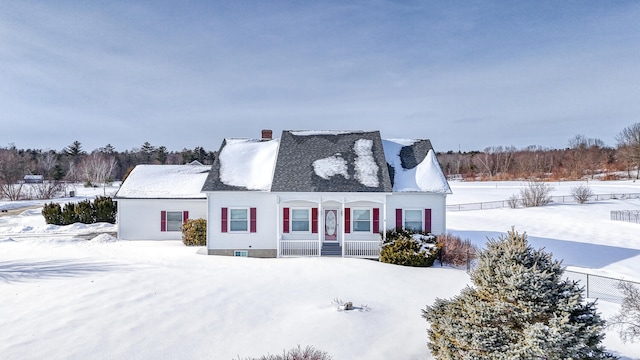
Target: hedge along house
[(320, 193), (155, 200)]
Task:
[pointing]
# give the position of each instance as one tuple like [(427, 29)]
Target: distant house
[(309, 193), (155, 200), (314, 193), (33, 179)]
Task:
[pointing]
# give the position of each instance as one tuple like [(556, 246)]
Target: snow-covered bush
[(520, 307), (455, 251), (535, 193), (308, 353), (194, 232), (513, 201), (405, 247), (581, 193)]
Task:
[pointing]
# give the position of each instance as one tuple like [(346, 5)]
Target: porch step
[(331, 249)]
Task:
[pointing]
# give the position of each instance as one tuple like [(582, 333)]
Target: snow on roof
[(331, 166), (426, 176), (164, 182), (248, 163), (365, 164)]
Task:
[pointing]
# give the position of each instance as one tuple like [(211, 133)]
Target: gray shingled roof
[(298, 151)]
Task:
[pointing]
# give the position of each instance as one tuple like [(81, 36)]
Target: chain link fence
[(626, 215), (599, 287), (569, 199)]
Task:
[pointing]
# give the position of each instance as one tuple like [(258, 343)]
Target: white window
[(361, 220), (243, 253), (174, 220), (300, 220), (239, 219), (413, 220)]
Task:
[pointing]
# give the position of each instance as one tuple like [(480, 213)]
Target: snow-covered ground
[(64, 297)]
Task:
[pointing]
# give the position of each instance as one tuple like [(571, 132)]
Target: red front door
[(330, 225)]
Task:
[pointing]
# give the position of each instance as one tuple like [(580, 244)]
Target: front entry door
[(330, 225)]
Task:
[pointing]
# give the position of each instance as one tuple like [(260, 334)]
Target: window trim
[(164, 220), (247, 220), (291, 220), (404, 218), (354, 220)]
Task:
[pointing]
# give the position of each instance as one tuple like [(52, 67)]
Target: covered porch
[(330, 225)]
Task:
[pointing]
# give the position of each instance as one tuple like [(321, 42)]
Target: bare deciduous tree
[(627, 321), (629, 146)]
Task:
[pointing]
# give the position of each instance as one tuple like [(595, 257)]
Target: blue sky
[(465, 74)]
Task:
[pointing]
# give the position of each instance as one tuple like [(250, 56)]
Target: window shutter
[(376, 220), (314, 220), (252, 217), (347, 220), (285, 220), (163, 221), (398, 218), (427, 220), (185, 217), (223, 221)]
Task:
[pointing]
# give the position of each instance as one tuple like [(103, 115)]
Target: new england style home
[(308, 193)]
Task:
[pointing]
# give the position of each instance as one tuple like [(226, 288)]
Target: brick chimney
[(267, 134)]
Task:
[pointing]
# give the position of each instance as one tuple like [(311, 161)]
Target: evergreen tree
[(521, 307), (162, 154), (74, 150), (147, 151)]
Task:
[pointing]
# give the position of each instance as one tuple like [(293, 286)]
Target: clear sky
[(465, 74)]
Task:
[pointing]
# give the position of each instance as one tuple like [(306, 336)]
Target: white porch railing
[(299, 248), (363, 249)]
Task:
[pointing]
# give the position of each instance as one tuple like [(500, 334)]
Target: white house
[(319, 193), (155, 200)]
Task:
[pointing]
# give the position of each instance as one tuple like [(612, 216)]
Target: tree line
[(74, 164), (583, 157)]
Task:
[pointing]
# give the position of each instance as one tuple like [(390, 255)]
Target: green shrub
[(84, 212), (194, 232), (69, 215), (408, 248), (105, 209), (52, 213)]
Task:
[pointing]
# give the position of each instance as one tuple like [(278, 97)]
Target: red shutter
[(223, 220), (427, 220), (376, 220), (163, 221), (314, 220), (285, 220), (252, 219), (185, 216), (347, 220), (398, 219)]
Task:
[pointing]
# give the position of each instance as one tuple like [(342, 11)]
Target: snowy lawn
[(68, 298)]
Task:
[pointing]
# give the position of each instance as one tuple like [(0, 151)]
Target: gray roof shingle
[(294, 171)]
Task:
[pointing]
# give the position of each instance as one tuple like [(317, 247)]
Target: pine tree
[(520, 307)]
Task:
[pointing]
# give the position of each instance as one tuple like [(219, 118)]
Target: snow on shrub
[(409, 248)]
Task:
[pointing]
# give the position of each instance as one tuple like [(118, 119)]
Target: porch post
[(384, 220), (342, 227), (320, 226), (278, 226)]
